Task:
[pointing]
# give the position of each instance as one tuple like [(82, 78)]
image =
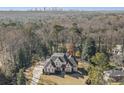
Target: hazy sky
[(65, 8)]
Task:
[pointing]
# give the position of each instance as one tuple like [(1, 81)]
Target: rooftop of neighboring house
[(117, 48), (115, 72)]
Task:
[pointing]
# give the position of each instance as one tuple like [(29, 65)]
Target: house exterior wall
[(58, 63), (75, 69), (58, 69), (49, 69), (68, 68), (117, 50)]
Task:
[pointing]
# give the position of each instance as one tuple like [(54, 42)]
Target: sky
[(66, 8)]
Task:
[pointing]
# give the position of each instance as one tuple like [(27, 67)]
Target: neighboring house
[(117, 55), (118, 60), (60, 62), (115, 75), (117, 50)]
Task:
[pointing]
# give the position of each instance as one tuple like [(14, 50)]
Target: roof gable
[(58, 60), (68, 64), (61, 56), (72, 60), (48, 62)]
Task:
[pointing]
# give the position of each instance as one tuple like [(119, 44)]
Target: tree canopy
[(89, 49), (100, 60)]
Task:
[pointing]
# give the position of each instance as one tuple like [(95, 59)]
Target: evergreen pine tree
[(89, 49), (21, 77)]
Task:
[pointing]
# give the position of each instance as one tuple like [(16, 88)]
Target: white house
[(117, 50)]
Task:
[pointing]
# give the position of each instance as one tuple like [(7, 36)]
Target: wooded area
[(29, 36)]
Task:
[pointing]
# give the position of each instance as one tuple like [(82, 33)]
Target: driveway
[(37, 72)]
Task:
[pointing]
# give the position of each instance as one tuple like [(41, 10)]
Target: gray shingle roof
[(114, 73), (63, 57), (72, 60), (117, 73), (47, 62)]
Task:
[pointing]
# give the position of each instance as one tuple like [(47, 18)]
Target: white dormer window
[(68, 65), (58, 63)]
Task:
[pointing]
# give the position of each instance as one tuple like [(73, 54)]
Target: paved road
[(37, 72)]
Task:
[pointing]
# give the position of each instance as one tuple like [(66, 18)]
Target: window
[(57, 62), (68, 69), (48, 69), (52, 69)]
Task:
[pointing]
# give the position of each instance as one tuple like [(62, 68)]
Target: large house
[(60, 62)]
